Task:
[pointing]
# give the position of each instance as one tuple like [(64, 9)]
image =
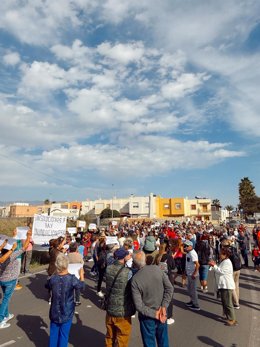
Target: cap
[(120, 253), (188, 243)]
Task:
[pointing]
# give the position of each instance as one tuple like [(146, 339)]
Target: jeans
[(153, 330), (26, 261), (59, 334), (192, 290), (8, 289)]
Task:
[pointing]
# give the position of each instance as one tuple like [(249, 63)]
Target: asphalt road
[(30, 327)]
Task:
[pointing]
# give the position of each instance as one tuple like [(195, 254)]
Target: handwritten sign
[(92, 226), (48, 227), (81, 223), (111, 240), (72, 230), (21, 233)]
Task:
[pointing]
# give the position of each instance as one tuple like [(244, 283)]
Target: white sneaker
[(10, 316), (170, 321), (4, 325), (100, 294), (90, 259), (92, 273), (205, 290)]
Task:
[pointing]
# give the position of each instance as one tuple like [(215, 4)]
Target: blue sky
[(108, 97)]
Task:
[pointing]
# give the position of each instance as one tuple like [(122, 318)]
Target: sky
[(102, 98)]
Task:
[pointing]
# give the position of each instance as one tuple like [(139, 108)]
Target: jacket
[(62, 300), (119, 302), (224, 275)]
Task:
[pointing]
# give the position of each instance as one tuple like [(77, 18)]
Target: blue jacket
[(62, 300)]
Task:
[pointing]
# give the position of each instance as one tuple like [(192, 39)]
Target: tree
[(229, 208), (47, 202), (248, 199), (216, 204), (107, 213)]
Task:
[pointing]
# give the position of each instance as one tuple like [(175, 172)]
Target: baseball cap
[(188, 243), (120, 253)]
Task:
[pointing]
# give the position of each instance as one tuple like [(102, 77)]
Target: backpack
[(235, 259)]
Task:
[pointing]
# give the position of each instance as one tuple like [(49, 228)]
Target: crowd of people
[(139, 263)]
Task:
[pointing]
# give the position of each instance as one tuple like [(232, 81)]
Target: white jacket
[(224, 275)]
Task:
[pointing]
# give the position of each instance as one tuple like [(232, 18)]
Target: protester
[(75, 258), (192, 271), (27, 255), (152, 292), (225, 284), (101, 263), (120, 305), (202, 248), (62, 286), (9, 272)]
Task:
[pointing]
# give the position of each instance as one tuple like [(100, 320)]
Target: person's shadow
[(37, 286), (35, 329), (81, 334)]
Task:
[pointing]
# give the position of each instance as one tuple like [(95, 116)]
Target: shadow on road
[(37, 286), (209, 342), (35, 328), (81, 334)]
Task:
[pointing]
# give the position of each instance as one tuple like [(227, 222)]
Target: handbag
[(104, 301)]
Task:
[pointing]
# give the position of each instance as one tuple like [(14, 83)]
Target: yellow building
[(25, 210), (169, 207), (194, 209)]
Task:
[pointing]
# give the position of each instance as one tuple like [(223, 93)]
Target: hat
[(120, 253), (188, 243)]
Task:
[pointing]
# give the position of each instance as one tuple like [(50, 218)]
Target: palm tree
[(229, 208)]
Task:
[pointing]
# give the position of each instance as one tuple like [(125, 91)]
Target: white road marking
[(11, 342)]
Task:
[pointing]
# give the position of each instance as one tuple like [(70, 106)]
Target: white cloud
[(12, 58), (183, 85), (122, 53)]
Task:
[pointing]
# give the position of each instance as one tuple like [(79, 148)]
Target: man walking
[(152, 292), (192, 270), (120, 305)]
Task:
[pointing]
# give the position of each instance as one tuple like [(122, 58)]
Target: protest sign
[(81, 224), (72, 230), (2, 239), (48, 227), (114, 223), (73, 269), (111, 240), (10, 243), (92, 226), (21, 233)]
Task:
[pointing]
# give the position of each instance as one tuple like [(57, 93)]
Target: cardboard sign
[(111, 240), (72, 230), (92, 226), (73, 269), (10, 243), (48, 227), (21, 233), (81, 224)]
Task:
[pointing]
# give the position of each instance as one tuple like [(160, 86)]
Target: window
[(178, 206), (193, 207), (204, 208), (166, 206), (135, 204), (147, 205)]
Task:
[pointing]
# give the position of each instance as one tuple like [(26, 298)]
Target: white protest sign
[(81, 223), (111, 240), (21, 233), (10, 243), (2, 239), (48, 227), (72, 230), (73, 269), (92, 226), (114, 223)]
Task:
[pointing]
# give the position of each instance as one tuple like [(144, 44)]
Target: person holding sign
[(62, 307), (9, 272)]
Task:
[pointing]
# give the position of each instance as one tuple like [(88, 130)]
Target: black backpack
[(235, 259)]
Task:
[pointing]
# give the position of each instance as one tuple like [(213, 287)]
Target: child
[(256, 258), (62, 307)]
